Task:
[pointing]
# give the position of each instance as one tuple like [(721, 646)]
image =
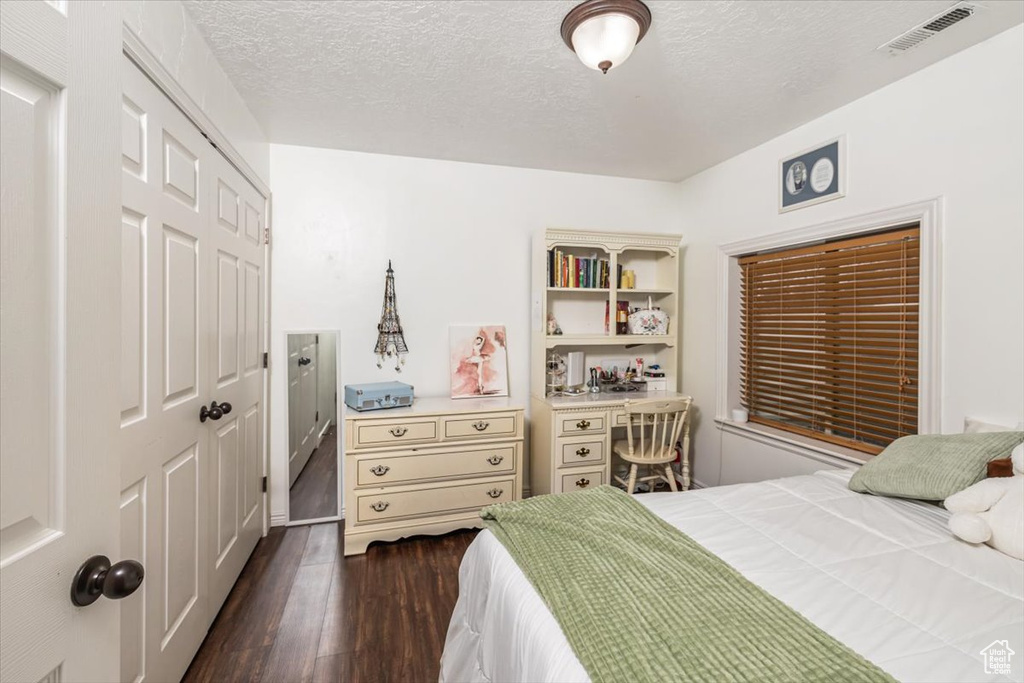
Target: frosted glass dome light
[(603, 33)]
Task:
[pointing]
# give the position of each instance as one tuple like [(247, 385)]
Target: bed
[(882, 575)]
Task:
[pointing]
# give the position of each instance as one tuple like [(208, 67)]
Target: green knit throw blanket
[(638, 600)]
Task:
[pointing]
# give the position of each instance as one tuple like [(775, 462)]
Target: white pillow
[(975, 426)]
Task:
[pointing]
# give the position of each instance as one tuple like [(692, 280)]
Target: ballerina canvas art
[(479, 360)]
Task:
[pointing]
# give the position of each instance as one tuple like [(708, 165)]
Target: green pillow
[(932, 466)]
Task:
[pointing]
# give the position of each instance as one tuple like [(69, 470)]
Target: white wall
[(951, 130), (168, 31), (458, 235)]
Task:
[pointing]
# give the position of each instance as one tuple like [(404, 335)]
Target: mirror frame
[(339, 411)]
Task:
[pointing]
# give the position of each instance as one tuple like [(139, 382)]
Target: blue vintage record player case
[(378, 395)]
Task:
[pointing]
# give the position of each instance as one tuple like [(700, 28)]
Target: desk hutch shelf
[(580, 312)]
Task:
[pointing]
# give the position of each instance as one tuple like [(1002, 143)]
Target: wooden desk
[(571, 438)]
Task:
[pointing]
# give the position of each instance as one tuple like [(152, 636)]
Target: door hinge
[(264, 484), (266, 235), (266, 359), (317, 418), (317, 339)]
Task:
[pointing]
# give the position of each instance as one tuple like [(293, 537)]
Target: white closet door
[(294, 406), (191, 381), (164, 380), (309, 396), (235, 262), (59, 333), (302, 394)]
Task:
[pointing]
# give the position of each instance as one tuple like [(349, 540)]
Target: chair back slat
[(644, 419)]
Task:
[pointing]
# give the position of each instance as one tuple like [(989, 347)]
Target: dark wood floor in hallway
[(301, 611), (314, 495)]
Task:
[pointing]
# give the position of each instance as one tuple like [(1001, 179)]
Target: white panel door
[(294, 405), (235, 262), (164, 448), (302, 397), (309, 390), (59, 328)]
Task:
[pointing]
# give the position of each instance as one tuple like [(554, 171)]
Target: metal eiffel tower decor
[(390, 341)]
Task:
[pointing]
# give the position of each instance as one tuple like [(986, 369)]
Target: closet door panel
[(164, 378), (226, 271), (308, 384), (294, 428), (235, 264)]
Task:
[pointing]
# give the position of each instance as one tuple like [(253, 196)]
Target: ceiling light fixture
[(603, 33)]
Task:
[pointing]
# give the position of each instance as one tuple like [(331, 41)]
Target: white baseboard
[(280, 519), (320, 437)]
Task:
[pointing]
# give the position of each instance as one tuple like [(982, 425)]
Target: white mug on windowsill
[(739, 415)]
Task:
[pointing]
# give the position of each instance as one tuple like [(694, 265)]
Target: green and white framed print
[(813, 176)]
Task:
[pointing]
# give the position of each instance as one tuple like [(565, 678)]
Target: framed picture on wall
[(813, 176), (479, 360)]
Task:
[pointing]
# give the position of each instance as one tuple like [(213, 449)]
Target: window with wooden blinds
[(830, 338)]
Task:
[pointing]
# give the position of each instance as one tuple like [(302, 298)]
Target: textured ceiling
[(491, 81)]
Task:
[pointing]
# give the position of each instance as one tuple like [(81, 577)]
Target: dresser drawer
[(479, 426), (580, 452), (578, 481), (407, 467), (620, 419), (582, 423), (377, 506), (386, 432)]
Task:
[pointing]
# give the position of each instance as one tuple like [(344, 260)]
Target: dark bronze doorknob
[(215, 411), (305, 361), (97, 577)]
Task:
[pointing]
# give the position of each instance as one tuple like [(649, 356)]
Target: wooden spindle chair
[(654, 427)]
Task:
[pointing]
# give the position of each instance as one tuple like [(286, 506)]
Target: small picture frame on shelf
[(813, 176)]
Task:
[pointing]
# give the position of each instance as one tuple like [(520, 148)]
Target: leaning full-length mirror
[(312, 426)]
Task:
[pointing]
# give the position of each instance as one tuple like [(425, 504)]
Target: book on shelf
[(569, 271), (621, 317)]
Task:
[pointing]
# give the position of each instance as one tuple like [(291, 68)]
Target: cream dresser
[(429, 468)]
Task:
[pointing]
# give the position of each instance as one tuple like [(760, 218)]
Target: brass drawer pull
[(495, 493), (398, 431), (495, 459), (582, 482), (583, 452), (481, 425), (380, 470), (583, 424), (380, 506)]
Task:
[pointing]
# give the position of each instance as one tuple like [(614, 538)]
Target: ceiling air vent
[(927, 29)]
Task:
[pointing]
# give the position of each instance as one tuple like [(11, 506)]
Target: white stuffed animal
[(992, 511)]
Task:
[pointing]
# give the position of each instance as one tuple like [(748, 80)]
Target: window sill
[(795, 443)]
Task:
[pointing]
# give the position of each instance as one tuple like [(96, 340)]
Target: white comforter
[(882, 575)]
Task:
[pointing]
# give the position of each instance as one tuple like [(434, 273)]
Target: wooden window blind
[(830, 338)]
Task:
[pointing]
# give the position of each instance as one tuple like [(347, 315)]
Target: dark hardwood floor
[(301, 611), (314, 495)]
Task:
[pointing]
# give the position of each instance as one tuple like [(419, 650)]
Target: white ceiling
[(490, 81)]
